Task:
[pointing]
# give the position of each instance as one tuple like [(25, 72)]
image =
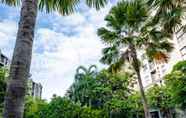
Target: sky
[(61, 44)]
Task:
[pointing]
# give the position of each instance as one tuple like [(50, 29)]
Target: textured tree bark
[(136, 66), (20, 65)]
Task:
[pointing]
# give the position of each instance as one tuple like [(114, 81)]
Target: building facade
[(153, 72), (181, 44), (34, 89), (4, 61)]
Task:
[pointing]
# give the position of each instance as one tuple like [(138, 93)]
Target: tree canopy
[(176, 81)]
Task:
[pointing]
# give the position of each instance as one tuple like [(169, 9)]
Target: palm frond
[(169, 13), (126, 15), (96, 3), (159, 52), (172, 20), (65, 7), (11, 2), (116, 67), (110, 55), (81, 69), (92, 70), (107, 36)]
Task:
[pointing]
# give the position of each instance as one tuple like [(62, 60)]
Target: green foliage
[(33, 106), (65, 108), (80, 91), (102, 90), (60, 108), (175, 82), (168, 14), (64, 7), (135, 101), (180, 66), (94, 90), (127, 30), (119, 108), (160, 97), (3, 73), (88, 112)]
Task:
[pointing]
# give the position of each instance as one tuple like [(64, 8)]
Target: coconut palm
[(20, 65), (128, 31)]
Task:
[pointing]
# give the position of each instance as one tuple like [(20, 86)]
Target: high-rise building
[(34, 89), (181, 43), (4, 61)]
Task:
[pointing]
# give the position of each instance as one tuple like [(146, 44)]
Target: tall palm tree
[(20, 65), (128, 29)]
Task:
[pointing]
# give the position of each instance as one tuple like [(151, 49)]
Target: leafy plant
[(176, 83)]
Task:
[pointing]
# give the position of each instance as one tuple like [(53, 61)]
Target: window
[(145, 67), (183, 52), (184, 57), (180, 36)]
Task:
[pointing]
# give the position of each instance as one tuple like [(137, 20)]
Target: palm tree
[(84, 78), (82, 71), (169, 14), (128, 29), (20, 65)]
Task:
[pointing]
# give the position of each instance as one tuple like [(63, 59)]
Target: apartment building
[(4, 61), (153, 72), (34, 89), (181, 44)]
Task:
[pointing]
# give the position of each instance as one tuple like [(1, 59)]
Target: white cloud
[(8, 31), (55, 69), (60, 49)]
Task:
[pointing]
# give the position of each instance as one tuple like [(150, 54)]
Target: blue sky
[(61, 44)]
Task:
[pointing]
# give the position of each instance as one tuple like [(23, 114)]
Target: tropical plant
[(84, 81), (105, 91), (60, 108), (169, 14), (127, 31), (88, 112), (20, 65), (175, 82), (159, 97), (180, 66), (136, 104), (33, 107), (64, 108)]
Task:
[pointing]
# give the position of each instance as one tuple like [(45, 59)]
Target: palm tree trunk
[(20, 65), (136, 66)]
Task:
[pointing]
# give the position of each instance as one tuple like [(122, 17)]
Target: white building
[(181, 44), (4, 61), (153, 72), (34, 89)]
